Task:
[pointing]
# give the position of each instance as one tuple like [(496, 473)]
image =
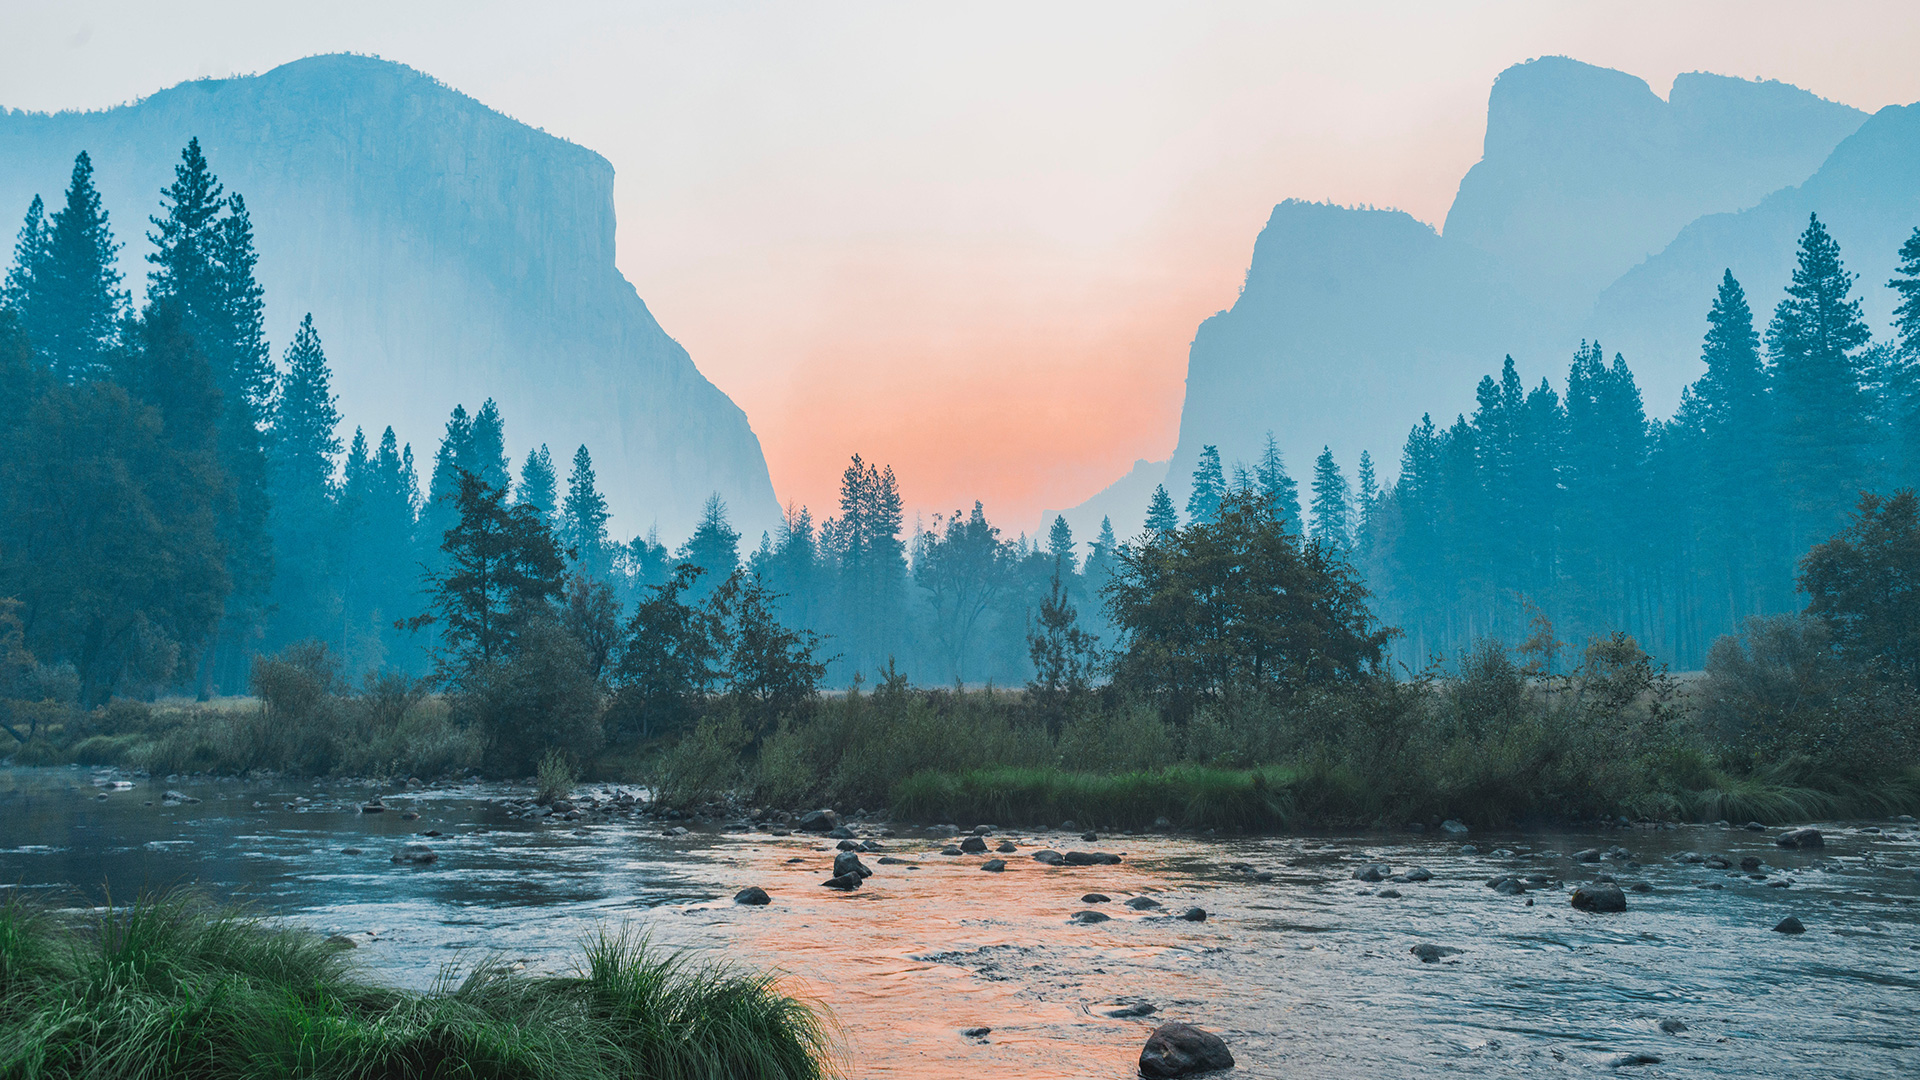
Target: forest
[(180, 517)]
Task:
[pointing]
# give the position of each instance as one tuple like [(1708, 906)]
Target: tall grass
[(170, 989)]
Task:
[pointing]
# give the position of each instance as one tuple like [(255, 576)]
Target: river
[(1305, 970)]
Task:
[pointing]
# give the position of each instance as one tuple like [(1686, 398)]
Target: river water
[(1303, 969)]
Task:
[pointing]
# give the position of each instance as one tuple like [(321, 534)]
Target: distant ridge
[(448, 254)]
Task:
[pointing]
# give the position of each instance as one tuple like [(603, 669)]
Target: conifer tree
[(29, 255), (487, 449), (1901, 387), (1279, 492), (1060, 546), (1332, 505), (1209, 487), (539, 486), (1825, 435), (714, 547), (69, 295), (302, 448), (1100, 555), (1368, 506), (455, 453), (1160, 514), (583, 519)]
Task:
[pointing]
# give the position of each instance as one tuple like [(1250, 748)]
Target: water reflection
[(1304, 969)]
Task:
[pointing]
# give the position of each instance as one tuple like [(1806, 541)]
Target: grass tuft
[(173, 989)]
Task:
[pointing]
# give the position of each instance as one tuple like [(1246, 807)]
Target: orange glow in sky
[(972, 241)]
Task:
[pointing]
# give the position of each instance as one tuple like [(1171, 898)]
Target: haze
[(970, 242)]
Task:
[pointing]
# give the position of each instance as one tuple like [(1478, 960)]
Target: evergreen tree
[(1209, 487), (203, 262), (380, 566), (538, 487), (714, 547), (1825, 436), (68, 290), (487, 449), (1368, 508), (583, 519), (1060, 546), (1901, 387), (1278, 491), (455, 453), (503, 573), (1100, 555), (1160, 514), (301, 491), (1332, 505), (29, 255)]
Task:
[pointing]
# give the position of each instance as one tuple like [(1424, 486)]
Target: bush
[(543, 698)]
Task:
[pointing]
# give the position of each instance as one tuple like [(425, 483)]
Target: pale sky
[(970, 240)]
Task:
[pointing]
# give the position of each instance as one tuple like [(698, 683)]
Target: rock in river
[(1800, 838), (1374, 872), (1049, 856), (1091, 858), (417, 854), (1453, 828), (1194, 914), (1087, 917), (1142, 903), (1181, 1050), (1600, 896), (1415, 874), (973, 845), (1430, 953), (848, 862), (843, 882), (819, 821), (752, 895), (1790, 925), (1095, 898), (994, 865)]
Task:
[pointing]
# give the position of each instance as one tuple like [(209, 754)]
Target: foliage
[(539, 698), (503, 568), (555, 778), (1237, 602), (668, 661), (1865, 584)]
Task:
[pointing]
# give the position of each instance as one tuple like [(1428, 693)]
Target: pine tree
[(1060, 546), (1332, 505), (1100, 557), (1825, 436), (1160, 514), (203, 263), (539, 486), (301, 492), (714, 547), (1280, 493), (455, 453), (583, 519), (1368, 507), (70, 299), (1901, 387), (29, 255), (487, 449), (1209, 487)]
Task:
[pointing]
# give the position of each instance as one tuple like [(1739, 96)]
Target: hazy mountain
[(1867, 193), (447, 253), (1352, 322)]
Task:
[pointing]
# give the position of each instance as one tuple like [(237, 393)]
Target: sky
[(972, 241)]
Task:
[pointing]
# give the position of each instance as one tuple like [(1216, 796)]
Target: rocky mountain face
[(1352, 323), (448, 254)]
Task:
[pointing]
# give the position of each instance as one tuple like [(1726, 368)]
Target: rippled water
[(1305, 974)]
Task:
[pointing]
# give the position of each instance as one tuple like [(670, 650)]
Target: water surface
[(1305, 973)]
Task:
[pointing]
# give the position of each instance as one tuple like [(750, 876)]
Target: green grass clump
[(171, 988)]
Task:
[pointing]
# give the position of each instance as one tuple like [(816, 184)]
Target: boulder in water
[(752, 895), (1800, 838), (1091, 858), (1181, 1050), (1049, 857), (416, 854), (1790, 925), (1374, 872), (1430, 953), (342, 941), (994, 866), (819, 821), (843, 882), (1194, 914), (1142, 903), (1086, 917), (1599, 897), (973, 845), (848, 862), (1454, 828)]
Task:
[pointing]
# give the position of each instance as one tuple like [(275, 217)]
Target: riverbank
[(171, 987)]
